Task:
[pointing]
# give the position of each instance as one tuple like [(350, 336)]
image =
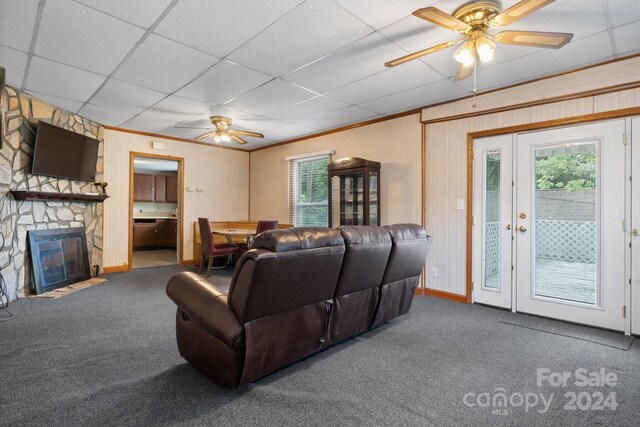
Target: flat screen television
[(64, 154)]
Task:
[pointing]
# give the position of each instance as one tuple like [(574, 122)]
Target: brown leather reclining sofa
[(296, 292)]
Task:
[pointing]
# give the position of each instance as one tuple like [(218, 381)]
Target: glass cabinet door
[(348, 199), (373, 198)]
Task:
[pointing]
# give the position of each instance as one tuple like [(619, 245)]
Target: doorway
[(550, 211), (155, 211)]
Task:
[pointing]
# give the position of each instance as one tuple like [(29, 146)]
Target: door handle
[(508, 226), (522, 228), (634, 232)]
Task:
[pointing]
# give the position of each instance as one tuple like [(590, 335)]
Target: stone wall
[(20, 116)]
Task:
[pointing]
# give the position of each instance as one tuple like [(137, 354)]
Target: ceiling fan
[(222, 133), (473, 20)]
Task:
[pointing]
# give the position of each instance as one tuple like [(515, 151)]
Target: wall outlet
[(189, 189), (434, 272), (460, 204), (200, 190)]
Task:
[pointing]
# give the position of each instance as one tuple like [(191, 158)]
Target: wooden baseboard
[(420, 291), (447, 295), (115, 269), (186, 262)]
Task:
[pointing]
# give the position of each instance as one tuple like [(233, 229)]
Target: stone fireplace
[(21, 114)]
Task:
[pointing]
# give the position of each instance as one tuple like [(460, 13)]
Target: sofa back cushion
[(284, 270), (408, 254), (367, 250)]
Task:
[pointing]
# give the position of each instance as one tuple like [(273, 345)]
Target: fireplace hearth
[(59, 258)]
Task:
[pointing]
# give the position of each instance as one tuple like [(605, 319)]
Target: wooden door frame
[(549, 124), (180, 242)]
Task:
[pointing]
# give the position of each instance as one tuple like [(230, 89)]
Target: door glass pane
[(492, 222), (564, 224)]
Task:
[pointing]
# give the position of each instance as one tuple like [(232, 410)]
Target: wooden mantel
[(71, 197)]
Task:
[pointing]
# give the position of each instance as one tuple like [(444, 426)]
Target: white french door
[(561, 225), (635, 225)]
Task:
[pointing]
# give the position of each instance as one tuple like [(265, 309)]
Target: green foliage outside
[(567, 171), (313, 193)]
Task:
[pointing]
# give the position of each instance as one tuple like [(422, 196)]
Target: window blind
[(308, 191)]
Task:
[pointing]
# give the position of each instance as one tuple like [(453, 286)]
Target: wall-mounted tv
[(64, 154)]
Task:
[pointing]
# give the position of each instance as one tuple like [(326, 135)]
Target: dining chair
[(209, 248), (266, 225)]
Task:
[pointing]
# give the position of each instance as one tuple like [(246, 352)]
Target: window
[(308, 190)]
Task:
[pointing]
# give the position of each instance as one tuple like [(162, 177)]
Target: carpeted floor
[(107, 355)]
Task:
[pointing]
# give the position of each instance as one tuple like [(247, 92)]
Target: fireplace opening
[(59, 258)]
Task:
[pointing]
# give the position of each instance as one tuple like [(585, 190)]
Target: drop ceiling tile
[(307, 109), (147, 123), (67, 104), (623, 11), (381, 13), (103, 115), (586, 18), (351, 63), (338, 118), (177, 109), (320, 28), (140, 13), (397, 79), (414, 98), (223, 82), (270, 97), (126, 97), (181, 133), (17, 19), (627, 38), (257, 124), (288, 132), (76, 35), (15, 63), (52, 78), (414, 34), (223, 26), (164, 65), (578, 53)]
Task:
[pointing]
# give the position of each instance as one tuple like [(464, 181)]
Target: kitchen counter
[(154, 215)]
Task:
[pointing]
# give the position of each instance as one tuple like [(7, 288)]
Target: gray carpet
[(594, 335), (107, 355)]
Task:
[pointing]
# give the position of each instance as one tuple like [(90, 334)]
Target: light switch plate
[(460, 204)]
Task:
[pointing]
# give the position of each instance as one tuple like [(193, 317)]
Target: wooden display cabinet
[(354, 192)]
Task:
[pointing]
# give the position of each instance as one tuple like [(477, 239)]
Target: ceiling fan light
[(216, 137), (225, 137), (486, 49), (466, 54)]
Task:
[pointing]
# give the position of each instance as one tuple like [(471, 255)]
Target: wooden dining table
[(247, 233)]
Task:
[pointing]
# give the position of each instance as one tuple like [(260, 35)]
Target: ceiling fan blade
[(463, 72), (237, 139), (443, 19), (246, 133), (420, 53), (203, 136), (534, 38), (517, 11)]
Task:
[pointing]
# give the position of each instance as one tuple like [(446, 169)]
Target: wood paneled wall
[(222, 174), (395, 143), (446, 152)]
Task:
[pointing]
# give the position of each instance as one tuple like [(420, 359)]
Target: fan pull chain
[(475, 89)]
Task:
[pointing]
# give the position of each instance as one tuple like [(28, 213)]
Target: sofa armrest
[(206, 305)]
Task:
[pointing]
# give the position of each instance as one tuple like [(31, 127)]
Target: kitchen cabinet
[(145, 235), (167, 232), (144, 187), (161, 188), (155, 188), (150, 233), (172, 188)]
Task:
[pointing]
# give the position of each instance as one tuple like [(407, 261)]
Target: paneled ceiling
[(286, 68)]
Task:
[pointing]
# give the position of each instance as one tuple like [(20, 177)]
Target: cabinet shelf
[(43, 195)]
